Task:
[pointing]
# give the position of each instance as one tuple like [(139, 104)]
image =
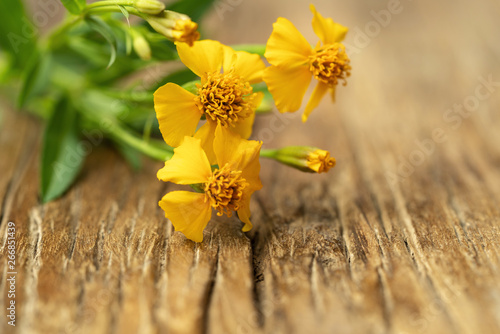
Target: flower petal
[(250, 167), (177, 113), (203, 57), (189, 165), (244, 215), (244, 127), (316, 96), (241, 154), (188, 212), (287, 86), (207, 134), (329, 32), (286, 45), (247, 65)]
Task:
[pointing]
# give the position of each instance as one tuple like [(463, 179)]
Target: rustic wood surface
[(403, 236)]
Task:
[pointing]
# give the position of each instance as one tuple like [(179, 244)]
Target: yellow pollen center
[(224, 190), (330, 63), (225, 98)]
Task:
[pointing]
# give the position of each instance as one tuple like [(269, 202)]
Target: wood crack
[(258, 276)]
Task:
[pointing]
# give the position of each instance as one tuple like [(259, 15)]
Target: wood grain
[(403, 236)]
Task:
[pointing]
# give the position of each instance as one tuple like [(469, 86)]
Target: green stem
[(147, 128), (110, 3), (139, 144), (259, 49), (111, 9), (269, 153)]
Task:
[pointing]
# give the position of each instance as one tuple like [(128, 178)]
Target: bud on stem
[(141, 45), (304, 158), (174, 26), (150, 7)]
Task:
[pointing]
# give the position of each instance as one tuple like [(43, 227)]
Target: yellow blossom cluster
[(209, 124)]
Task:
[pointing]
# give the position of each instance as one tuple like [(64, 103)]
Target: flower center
[(225, 98), (330, 64), (224, 190)]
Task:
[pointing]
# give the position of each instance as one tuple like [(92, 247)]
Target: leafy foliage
[(62, 154), (74, 6), (17, 34)]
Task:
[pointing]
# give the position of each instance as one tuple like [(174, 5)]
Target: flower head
[(224, 97), (175, 26), (227, 188), (294, 63)]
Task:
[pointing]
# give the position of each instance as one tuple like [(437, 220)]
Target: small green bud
[(141, 46), (150, 7)]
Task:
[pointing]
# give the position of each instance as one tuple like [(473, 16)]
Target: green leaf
[(62, 154), (17, 33), (163, 50), (121, 33), (102, 28), (125, 13), (36, 77), (91, 52), (74, 6)]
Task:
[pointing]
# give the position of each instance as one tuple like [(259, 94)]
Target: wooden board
[(403, 236)]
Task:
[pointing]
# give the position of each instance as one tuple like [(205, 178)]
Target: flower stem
[(123, 135), (111, 9), (259, 49), (110, 3), (269, 153)]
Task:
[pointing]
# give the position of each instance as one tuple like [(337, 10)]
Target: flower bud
[(141, 46), (151, 7), (320, 161), (305, 158), (174, 26)]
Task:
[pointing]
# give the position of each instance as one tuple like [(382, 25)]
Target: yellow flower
[(294, 63), (228, 188), (224, 98), (175, 26)]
